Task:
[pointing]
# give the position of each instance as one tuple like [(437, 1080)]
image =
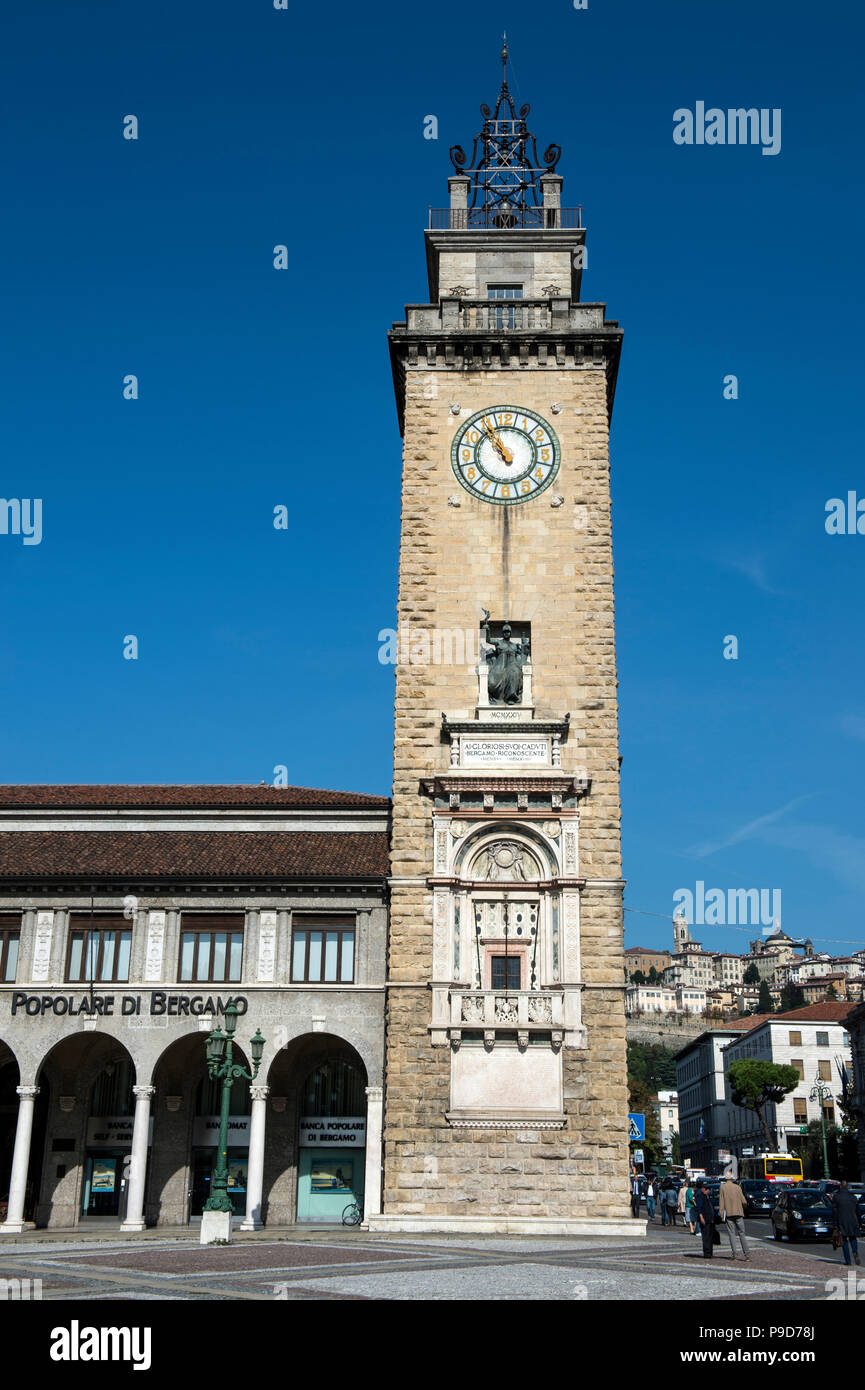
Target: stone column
[(372, 1183), (15, 1222), (255, 1163), (138, 1167)]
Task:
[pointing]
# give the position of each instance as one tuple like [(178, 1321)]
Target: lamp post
[(222, 1067), (819, 1091)]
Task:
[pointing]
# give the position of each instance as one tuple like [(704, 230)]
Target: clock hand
[(497, 444)]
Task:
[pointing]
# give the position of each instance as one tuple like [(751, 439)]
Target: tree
[(652, 1063), (638, 978), (654, 977), (764, 999), (751, 975), (831, 992), (840, 1150), (755, 1084), (677, 1146), (792, 997)]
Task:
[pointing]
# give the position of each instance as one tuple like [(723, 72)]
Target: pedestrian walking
[(651, 1196), (662, 1201), (846, 1210), (670, 1201), (681, 1203), (732, 1206), (706, 1219), (691, 1208), (635, 1196)]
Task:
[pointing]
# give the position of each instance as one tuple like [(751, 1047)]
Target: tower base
[(611, 1226)]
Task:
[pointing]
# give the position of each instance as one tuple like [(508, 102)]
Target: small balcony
[(497, 219), (554, 314)]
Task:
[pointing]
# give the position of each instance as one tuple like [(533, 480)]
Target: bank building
[(437, 978)]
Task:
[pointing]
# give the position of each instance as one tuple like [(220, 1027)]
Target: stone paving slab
[(229, 1259), (530, 1282)]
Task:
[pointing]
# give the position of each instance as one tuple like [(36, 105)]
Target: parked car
[(760, 1196), (802, 1215)]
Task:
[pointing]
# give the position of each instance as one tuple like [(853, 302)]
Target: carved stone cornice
[(552, 780), (506, 728)]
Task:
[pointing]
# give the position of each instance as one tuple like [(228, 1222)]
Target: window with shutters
[(10, 938), (98, 948), (323, 949), (211, 947)]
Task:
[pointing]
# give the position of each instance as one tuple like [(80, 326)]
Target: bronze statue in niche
[(505, 656)]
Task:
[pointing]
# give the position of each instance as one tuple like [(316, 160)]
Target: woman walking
[(680, 1202), (691, 1208)]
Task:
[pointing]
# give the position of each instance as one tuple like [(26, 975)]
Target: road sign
[(637, 1126), (638, 1155)]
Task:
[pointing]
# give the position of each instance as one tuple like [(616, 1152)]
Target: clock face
[(505, 454)]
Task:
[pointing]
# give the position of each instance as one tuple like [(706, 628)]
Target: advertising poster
[(331, 1177), (237, 1175), (104, 1175)]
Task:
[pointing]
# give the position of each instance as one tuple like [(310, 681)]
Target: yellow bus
[(779, 1168)]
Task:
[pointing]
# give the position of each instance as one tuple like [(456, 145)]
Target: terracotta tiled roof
[(832, 1011), (90, 796), (217, 855)]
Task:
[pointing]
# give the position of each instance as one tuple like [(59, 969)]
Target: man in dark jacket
[(705, 1218), (846, 1210)]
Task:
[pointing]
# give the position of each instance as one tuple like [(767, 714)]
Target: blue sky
[(258, 647)]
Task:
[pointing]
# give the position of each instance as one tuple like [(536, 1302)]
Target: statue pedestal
[(505, 714)]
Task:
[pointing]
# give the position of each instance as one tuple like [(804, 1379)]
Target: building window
[(211, 947), (829, 1112), (322, 950), (799, 1064), (822, 1039), (101, 953), (10, 936), (824, 1071), (505, 972), (800, 1112), (795, 1039), (502, 315)]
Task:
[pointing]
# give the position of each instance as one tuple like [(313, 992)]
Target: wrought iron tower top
[(504, 169)]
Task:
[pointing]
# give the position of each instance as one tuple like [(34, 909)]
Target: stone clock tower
[(505, 1092)]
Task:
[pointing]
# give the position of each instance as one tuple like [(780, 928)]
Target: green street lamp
[(819, 1091), (220, 1067)]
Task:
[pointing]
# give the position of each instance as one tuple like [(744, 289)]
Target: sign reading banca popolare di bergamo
[(157, 1003)]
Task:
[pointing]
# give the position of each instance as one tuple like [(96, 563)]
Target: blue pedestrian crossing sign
[(636, 1126)]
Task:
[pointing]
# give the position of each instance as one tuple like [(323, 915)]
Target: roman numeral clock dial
[(505, 454)]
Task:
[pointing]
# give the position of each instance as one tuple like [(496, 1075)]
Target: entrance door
[(327, 1180), (105, 1183), (203, 1164)]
